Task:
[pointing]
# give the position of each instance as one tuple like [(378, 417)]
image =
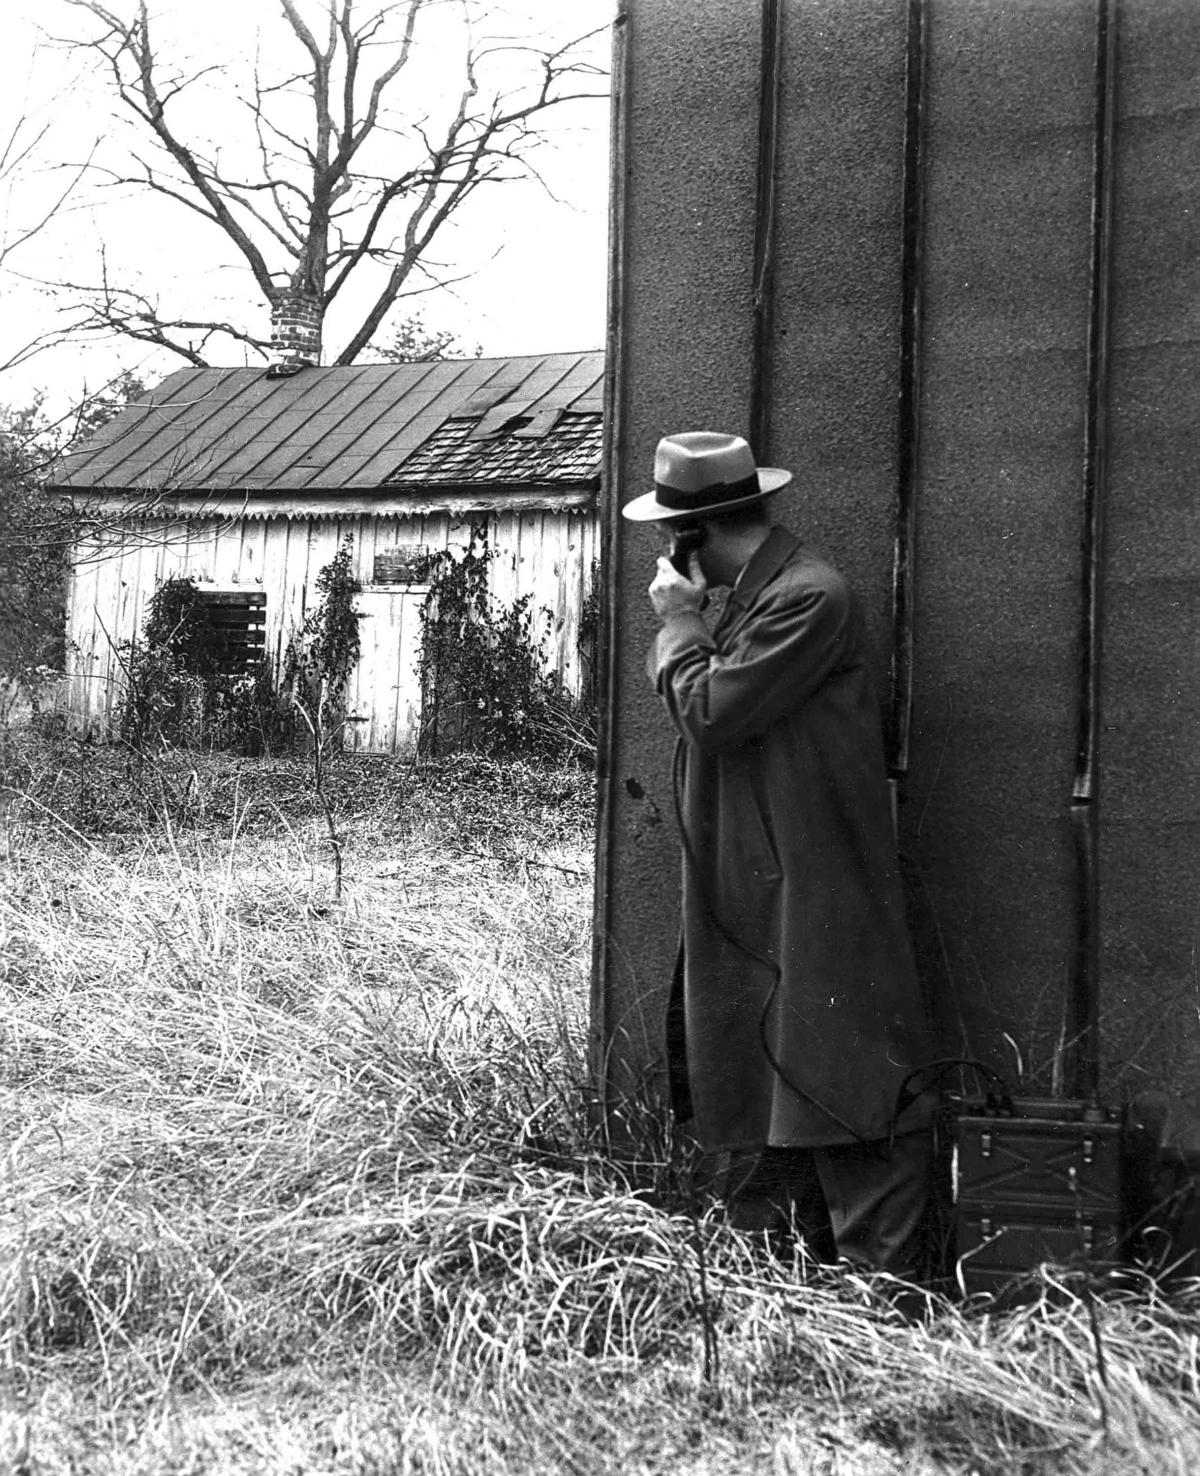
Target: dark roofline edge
[(392, 492), (569, 497)]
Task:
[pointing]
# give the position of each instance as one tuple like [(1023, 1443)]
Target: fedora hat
[(701, 472)]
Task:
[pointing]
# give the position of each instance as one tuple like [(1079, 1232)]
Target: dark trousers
[(863, 1202)]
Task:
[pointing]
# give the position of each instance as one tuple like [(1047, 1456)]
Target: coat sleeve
[(780, 656)]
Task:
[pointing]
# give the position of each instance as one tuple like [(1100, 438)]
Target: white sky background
[(536, 264)]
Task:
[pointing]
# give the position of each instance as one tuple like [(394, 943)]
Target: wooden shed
[(247, 482)]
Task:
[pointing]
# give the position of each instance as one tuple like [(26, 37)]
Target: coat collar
[(766, 561)]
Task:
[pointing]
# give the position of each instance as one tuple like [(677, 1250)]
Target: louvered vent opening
[(237, 629)]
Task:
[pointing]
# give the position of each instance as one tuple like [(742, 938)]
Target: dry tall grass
[(295, 1187)]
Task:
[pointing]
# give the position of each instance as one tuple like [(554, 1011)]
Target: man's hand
[(672, 594)]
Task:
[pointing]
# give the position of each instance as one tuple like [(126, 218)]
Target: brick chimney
[(296, 329)]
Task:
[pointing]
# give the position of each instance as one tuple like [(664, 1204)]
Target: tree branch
[(135, 40), (132, 315)]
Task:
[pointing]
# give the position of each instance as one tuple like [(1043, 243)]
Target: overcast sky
[(537, 264)]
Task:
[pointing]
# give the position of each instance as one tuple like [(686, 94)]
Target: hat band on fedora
[(711, 496)]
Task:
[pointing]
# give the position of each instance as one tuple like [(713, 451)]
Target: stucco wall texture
[(984, 810)]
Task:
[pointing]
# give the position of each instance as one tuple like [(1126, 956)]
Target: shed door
[(383, 702)]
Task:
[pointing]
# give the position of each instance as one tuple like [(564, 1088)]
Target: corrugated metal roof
[(341, 429)]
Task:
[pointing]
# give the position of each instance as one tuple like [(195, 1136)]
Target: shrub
[(323, 654), (484, 680), (175, 691), (37, 530), (35, 533)]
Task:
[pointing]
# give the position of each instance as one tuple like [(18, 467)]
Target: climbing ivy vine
[(485, 683)]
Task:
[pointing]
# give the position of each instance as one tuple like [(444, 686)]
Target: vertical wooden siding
[(548, 554)]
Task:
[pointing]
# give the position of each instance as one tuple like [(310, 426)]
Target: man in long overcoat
[(796, 1014)]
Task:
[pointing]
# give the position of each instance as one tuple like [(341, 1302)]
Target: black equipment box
[(1035, 1180)]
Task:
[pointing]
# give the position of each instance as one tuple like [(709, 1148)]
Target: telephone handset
[(688, 539)]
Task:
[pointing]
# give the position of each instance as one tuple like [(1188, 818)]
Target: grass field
[(296, 1185)]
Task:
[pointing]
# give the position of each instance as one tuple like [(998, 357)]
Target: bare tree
[(343, 170), (19, 149)]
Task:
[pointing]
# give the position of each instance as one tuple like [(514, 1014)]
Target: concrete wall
[(1152, 634), (984, 809)]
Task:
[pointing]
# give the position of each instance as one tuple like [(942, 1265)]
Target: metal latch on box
[(985, 1148), (989, 1232)]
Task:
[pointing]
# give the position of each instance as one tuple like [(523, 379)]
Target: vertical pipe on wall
[(1082, 1065), (609, 544), (771, 71), (912, 239)]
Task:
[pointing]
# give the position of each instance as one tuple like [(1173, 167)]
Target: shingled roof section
[(350, 429), (520, 454)]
